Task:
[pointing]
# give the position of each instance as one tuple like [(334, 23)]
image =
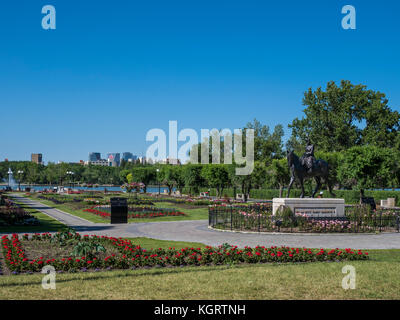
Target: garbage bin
[(370, 201), (119, 210)]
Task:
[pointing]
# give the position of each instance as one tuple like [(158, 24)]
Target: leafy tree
[(167, 176), (259, 175), (267, 146), (123, 175), (144, 174), (193, 177), (247, 182), (279, 173), (179, 178), (333, 159), (216, 176), (342, 117), (367, 167)]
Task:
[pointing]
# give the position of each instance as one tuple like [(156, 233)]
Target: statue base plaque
[(312, 207)]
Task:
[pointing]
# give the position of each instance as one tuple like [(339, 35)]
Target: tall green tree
[(216, 176), (279, 173), (367, 167), (267, 145), (248, 182), (167, 176), (344, 116), (193, 177), (144, 174)]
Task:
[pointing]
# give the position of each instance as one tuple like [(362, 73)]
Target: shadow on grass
[(167, 270), (135, 273)]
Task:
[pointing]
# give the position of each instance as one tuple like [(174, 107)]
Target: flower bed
[(259, 218), (129, 255), (13, 215), (58, 199), (1, 266), (136, 212)]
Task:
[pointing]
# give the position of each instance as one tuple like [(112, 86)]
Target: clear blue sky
[(112, 70)]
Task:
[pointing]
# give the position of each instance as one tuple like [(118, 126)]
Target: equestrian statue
[(307, 167)]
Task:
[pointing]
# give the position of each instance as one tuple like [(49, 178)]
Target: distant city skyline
[(110, 73)]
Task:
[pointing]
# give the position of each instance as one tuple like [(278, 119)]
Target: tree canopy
[(341, 117)]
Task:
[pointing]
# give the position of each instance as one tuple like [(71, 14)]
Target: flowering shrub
[(133, 256), (260, 218), (12, 214), (137, 186)]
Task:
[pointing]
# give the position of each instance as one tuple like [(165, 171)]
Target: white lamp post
[(158, 179), (71, 175), (20, 172)]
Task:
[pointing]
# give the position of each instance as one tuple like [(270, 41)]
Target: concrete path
[(198, 231)]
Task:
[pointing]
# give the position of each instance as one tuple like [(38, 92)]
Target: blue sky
[(113, 70)]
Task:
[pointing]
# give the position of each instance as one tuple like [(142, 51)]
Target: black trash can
[(119, 210), (370, 201)]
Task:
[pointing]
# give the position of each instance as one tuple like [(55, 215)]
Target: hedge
[(350, 196)]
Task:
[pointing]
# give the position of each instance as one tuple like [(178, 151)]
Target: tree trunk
[(280, 191)]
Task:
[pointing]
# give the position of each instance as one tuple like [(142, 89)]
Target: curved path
[(198, 231)]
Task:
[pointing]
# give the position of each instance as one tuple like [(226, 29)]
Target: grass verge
[(378, 278), (149, 243)]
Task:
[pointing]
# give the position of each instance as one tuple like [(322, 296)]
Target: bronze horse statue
[(319, 170)]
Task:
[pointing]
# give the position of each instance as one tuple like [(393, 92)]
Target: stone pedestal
[(389, 203), (312, 207)]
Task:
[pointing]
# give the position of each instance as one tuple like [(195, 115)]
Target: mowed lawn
[(378, 278)]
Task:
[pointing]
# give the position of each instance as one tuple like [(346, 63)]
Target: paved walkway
[(198, 231)]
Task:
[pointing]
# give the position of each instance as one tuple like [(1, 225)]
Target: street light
[(20, 172), (158, 179), (71, 174)]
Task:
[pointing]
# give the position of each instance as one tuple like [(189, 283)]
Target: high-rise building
[(128, 156), (94, 156), (37, 158), (114, 159)]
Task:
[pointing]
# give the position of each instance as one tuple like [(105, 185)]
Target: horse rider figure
[(308, 159)]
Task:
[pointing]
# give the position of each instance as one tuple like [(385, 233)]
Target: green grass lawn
[(46, 223), (149, 243), (378, 278), (191, 214)]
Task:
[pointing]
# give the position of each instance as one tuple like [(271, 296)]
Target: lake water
[(101, 188)]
